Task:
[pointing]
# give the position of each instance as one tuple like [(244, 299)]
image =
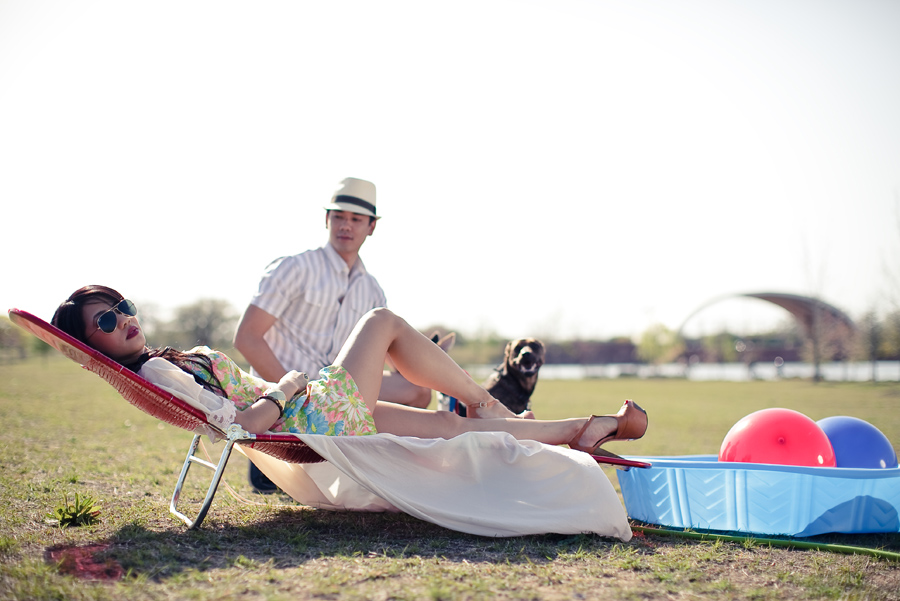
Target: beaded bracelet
[(278, 403)]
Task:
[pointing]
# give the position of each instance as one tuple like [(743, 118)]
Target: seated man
[(307, 304)]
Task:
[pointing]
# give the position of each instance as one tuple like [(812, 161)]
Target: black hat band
[(352, 200)]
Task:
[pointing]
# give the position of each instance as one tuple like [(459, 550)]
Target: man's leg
[(397, 389), (260, 482)]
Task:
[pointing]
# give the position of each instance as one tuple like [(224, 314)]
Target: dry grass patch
[(66, 431)]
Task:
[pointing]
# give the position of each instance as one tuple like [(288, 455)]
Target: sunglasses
[(108, 321)]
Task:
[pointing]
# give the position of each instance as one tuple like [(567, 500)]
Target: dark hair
[(69, 317)]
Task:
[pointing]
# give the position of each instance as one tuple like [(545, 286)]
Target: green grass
[(65, 431), (693, 417)]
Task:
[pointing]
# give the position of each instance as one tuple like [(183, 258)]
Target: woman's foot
[(630, 423)]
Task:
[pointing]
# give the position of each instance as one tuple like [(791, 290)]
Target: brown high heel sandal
[(632, 425)]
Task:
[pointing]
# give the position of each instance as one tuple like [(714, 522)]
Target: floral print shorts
[(332, 406)]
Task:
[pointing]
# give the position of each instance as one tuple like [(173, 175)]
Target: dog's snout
[(513, 381), (528, 358)]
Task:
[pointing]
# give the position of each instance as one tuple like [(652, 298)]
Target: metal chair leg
[(234, 434)]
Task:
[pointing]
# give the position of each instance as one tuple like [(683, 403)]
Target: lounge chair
[(164, 406), (167, 407)]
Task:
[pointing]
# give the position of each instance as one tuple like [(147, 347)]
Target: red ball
[(778, 436)]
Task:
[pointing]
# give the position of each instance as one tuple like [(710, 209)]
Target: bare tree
[(659, 344), (870, 339), (891, 322), (208, 322), (12, 341)]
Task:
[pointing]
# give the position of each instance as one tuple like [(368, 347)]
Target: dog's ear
[(510, 351), (446, 342)]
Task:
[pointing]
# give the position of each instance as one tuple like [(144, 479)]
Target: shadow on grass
[(290, 538), (284, 538)]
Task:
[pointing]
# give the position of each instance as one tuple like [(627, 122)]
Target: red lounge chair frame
[(167, 407)]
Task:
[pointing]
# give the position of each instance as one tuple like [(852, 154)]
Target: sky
[(557, 169)]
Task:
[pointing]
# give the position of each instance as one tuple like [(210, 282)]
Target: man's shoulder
[(373, 288), (371, 279), (309, 254), (301, 258)]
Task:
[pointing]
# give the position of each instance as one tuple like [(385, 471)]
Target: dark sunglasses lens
[(126, 307), (108, 322)]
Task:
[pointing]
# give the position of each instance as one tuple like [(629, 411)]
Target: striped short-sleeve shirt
[(316, 300)]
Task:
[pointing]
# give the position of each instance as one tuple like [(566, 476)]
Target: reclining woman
[(344, 400)]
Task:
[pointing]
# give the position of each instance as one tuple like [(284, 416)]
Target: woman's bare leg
[(422, 423), (380, 333)]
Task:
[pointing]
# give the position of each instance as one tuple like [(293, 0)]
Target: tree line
[(211, 322)]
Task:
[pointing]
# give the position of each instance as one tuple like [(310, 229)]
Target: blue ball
[(857, 443)]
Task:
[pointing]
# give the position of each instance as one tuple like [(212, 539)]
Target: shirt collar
[(339, 265)]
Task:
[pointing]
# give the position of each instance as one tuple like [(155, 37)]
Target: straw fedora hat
[(355, 196)]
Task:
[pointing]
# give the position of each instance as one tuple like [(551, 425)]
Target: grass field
[(65, 431)]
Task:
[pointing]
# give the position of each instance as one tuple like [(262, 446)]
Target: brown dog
[(513, 382)]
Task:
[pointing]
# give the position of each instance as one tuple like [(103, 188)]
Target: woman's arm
[(220, 411), (263, 414)]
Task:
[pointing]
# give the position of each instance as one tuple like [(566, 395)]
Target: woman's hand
[(263, 414), (293, 382)]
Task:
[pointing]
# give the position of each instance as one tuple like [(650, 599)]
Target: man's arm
[(248, 339)]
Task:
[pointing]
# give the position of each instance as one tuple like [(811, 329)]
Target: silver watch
[(276, 394)]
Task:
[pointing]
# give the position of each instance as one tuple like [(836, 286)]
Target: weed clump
[(83, 512)]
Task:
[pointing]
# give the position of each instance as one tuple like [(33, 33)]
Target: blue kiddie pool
[(700, 492)]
